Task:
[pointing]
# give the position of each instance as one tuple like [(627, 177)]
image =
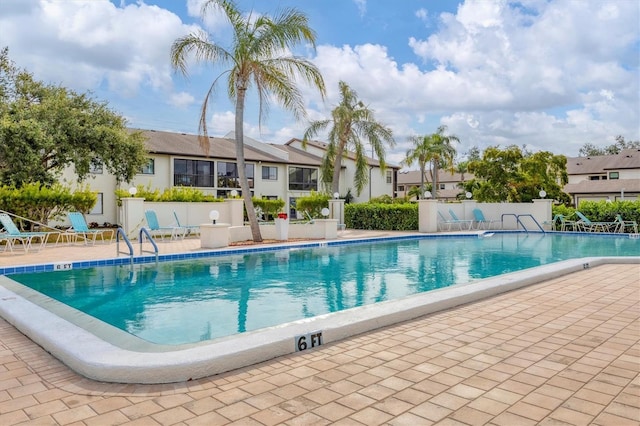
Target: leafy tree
[(591, 150), (351, 123), (46, 128), (511, 175), (258, 56)]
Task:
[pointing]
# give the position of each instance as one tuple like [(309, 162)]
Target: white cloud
[(551, 75), (83, 44), (362, 6), (181, 100)]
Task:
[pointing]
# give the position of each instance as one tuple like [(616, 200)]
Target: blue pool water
[(200, 299)]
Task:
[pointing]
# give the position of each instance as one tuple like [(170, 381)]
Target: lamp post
[(214, 215)]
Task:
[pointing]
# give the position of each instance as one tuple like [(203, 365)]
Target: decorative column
[(428, 215), (132, 215), (336, 211)]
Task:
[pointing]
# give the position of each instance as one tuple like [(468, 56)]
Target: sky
[(542, 74)]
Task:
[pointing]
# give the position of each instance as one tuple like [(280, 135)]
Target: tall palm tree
[(442, 154), (352, 121), (258, 56), (420, 154)]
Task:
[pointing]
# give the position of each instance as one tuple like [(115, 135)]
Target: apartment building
[(275, 171)]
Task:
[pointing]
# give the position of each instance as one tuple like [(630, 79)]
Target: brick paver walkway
[(566, 351)]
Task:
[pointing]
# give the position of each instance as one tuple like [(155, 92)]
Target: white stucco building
[(275, 171)]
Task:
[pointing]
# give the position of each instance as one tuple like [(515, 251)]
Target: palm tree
[(352, 121), (442, 154), (256, 57), (419, 153)]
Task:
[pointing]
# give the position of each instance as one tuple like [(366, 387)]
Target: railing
[(144, 232), (120, 233), (519, 222)]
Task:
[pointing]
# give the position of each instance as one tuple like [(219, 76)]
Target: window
[(97, 209), (95, 167), (400, 187), (441, 186), (269, 173), (614, 175), (303, 179), (193, 173), (594, 177), (228, 175), (389, 177), (149, 168)]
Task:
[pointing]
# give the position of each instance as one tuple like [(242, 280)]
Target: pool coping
[(97, 359)]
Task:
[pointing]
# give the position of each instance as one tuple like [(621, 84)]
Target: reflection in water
[(200, 299)]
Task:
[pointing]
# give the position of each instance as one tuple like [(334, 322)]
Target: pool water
[(195, 300)]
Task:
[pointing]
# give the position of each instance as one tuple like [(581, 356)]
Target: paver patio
[(566, 351)]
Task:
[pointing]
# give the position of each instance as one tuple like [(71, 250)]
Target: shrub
[(40, 203), (268, 207), (313, 204), (389, 217), (176, 193)]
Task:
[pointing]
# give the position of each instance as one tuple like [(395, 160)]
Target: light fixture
[(234, 193), (468, 195), (133, 191), (325, 212), (214, 215), (542, 193), (427, 194), (336, 195)]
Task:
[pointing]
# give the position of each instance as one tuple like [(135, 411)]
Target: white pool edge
[(96, 359)]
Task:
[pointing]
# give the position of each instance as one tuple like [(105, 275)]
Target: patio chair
[(482, 221), (156, 229), (588, 225), (623, 225), (13, 234), (189, 229), (79, 227), (460, 222), (444, 222)]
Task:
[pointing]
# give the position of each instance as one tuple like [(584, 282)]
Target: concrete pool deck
[(566, 350)]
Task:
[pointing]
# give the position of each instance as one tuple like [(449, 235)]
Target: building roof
[(413, 177), (188, 145), (323, 146), (626, 159), (603, 186)]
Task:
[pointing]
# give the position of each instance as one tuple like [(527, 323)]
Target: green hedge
[(382, 217), (603, 211), (41, 203)]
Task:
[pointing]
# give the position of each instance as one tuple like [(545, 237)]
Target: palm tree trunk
[(421, 181), (435, 179), (335, 183), (242, 172)]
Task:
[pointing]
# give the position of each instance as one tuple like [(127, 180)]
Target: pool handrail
[(120, 232), (518, 221), (145, 232)]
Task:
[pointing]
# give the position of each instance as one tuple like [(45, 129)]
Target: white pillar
[(428, 215), (133, 216), (336, 210), (236, 211)]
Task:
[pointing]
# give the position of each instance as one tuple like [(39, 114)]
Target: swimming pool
[(334, 290)]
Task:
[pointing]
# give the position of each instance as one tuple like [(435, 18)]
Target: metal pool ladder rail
[(120, 233), (518, 216), (144, 232)]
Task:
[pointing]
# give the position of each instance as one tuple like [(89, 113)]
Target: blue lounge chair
[(156, 229), (483, 223), (626, 225), (79, 227), (12, 234), (189, 229), (444, 222), (588, 225), (460, 222)]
